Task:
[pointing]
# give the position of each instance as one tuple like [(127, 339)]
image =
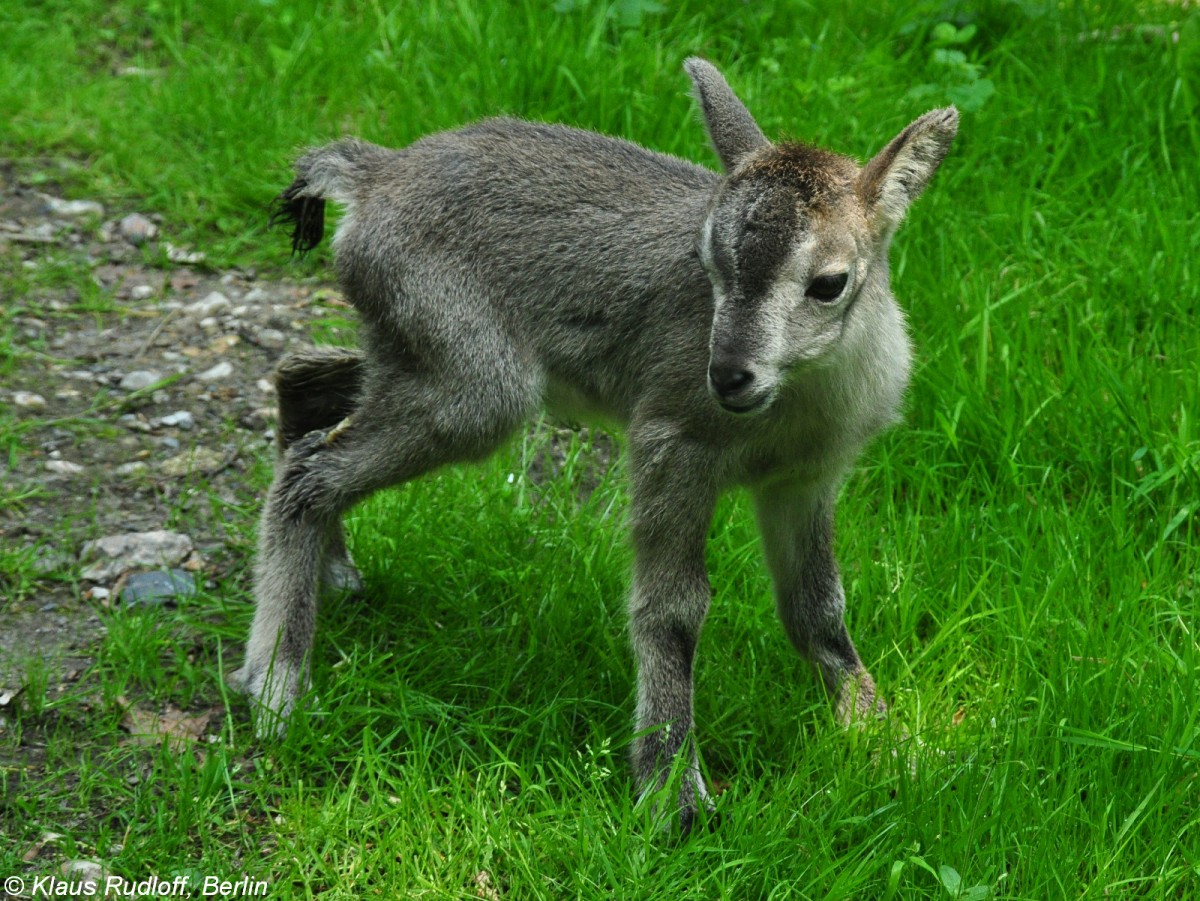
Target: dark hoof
[(707, 818)]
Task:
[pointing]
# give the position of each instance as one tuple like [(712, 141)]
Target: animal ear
[(901, 170), (733, 131)]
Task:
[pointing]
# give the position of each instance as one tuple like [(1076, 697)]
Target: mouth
[(749, 409)]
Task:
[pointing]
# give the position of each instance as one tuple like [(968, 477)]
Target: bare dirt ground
[(139, 381)]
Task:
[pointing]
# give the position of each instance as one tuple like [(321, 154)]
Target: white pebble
[(222, 370), (179, 255), (212, 303), (60, 207), (28, 399), (138, 379), (137, 229), (180, 419), (63, 467), (271, 338)]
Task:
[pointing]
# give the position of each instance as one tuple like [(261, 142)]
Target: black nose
[(728, 380)]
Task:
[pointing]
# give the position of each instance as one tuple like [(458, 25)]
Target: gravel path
[(143, 405)]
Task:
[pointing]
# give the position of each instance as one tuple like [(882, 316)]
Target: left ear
[(899, 173), (733, 131)]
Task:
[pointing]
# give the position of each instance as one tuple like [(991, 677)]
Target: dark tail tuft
[(306, 216)]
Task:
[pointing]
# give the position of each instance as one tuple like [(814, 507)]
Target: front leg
[(797, 529), (672, 505)]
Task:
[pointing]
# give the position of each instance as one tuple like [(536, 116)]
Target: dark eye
[(827, 287)]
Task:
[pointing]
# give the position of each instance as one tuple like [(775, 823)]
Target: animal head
[(795, 241)]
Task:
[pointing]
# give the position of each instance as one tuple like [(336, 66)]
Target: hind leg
[(404, 425), (317, 388)]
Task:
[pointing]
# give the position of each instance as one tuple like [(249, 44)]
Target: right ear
[(899, 173), (733, 131)]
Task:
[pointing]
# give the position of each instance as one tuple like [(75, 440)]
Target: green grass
[(1021, 557)]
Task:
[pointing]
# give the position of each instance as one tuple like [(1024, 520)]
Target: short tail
[(330, 172), (305, 215)]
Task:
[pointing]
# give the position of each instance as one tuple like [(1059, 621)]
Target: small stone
[(266, 386), (73, 208), (63, 467), (133, 421), (180, 419), (157, 587), (256, 295), (134, 467), (141, 292), (222, 370), (83, 871), (86, 877), (39, 234), (179, 255), (115, 554), (212, 303), (139, 379), (271, 338), (258, 418), (198, 460), (223, 343), (29, 400), (168, 442), (137, 229)]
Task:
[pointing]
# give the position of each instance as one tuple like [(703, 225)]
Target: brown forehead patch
[(776, 196), (811, 173)]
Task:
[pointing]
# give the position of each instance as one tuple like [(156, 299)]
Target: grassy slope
[(1021, 556)]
